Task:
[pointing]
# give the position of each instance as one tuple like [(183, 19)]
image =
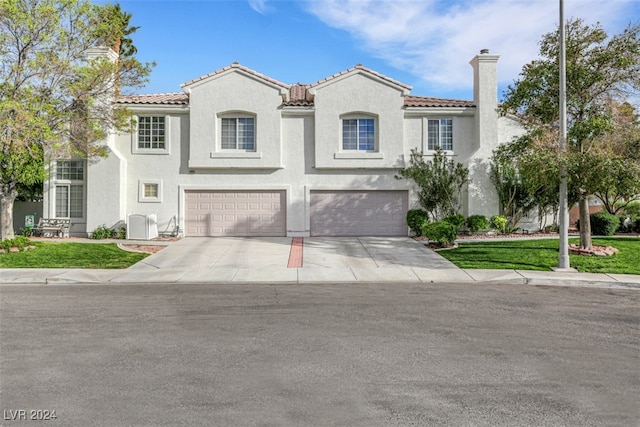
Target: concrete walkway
[(324, 259)]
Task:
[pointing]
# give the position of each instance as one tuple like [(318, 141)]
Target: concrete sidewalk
[(328, 260)]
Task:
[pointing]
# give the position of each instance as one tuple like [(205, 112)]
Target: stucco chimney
[(482, 198), (485, 96), (96, 52)]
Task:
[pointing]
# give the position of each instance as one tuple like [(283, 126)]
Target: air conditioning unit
[(142, 227)]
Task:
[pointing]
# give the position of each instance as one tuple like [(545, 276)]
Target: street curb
[(522, 281), (582, 283)]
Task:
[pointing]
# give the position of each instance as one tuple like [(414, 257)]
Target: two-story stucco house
[(237, 153)]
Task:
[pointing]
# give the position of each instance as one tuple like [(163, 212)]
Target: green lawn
[(542, 254), (71, 255)]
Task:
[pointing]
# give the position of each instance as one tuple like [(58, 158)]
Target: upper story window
[(70, 170), (238, 133), (440, 134), (151, 133), (358, 134)]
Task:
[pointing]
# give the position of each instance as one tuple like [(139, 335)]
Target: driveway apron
[(274, 252)]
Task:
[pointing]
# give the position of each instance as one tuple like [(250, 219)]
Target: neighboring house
[(238, 153)]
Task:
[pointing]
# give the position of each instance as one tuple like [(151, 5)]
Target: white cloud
[(435, 40), (259, 6)]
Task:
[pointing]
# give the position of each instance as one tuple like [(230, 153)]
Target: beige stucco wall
[(229, 92), (360, 94)]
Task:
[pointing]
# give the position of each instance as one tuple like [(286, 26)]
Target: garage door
[(359, 213), (235, 213)]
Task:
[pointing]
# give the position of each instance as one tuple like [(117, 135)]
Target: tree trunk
[(7, 198), (585, 223)]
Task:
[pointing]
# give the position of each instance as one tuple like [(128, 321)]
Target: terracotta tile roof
[(177, 98), (297, 92), (363, 68), (426, 101), (298, 96), (239, 67)]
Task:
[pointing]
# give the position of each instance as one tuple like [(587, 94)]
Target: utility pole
[(563, 256)]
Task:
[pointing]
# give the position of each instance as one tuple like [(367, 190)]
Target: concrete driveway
[(325, 252), (269, 259)]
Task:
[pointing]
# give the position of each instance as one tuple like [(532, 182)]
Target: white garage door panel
[(359, 213), (235, 213)]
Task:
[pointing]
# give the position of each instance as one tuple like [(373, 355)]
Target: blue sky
[(426, 44)]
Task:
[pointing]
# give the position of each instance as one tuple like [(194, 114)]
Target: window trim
[(141, 193), (236, 115), (427, 149), (135, 148), (358, 117)]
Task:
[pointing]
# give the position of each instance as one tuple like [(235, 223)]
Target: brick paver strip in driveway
[(295, 256)]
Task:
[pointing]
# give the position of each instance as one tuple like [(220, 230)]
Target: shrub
[(120, 233), (416, 218), (636, 225), (627, 223), (633, 208), (498, 222), (441, 232), (477, 223), (102, 232), (19, 242), (455, 219), (6, 244), (604, 224), (440, 181)]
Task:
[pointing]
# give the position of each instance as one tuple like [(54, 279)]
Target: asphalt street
[(291, 355)]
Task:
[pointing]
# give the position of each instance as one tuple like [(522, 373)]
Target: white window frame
[(135, 147), (237, 116), (428, 128), (68, 183), (358, 118), (142, 184)]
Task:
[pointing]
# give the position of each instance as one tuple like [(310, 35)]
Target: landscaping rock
[(595, 250)]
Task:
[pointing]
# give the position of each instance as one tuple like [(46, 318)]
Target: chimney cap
[(484, 51)]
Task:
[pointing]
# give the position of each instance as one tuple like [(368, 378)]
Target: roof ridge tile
[(238, 66)]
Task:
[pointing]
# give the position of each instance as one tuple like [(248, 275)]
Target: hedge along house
[(237, 153)]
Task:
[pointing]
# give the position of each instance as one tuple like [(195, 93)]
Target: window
[(440, 134), (69, 201), (151, 133), (69, 186), (358, 134), (238, 133), (70, 169), (150, 191)]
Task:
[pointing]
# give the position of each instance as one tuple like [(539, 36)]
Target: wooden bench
[(52, 227)]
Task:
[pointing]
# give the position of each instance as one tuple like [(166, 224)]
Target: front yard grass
[(71, 255), (542, 254)]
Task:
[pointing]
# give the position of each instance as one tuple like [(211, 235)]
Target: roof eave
[(459, 111)]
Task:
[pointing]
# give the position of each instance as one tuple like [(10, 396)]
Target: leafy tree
[(439, 180), (113, 29), (54, 101), (600, 72), (515, 196), (620, 178)]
